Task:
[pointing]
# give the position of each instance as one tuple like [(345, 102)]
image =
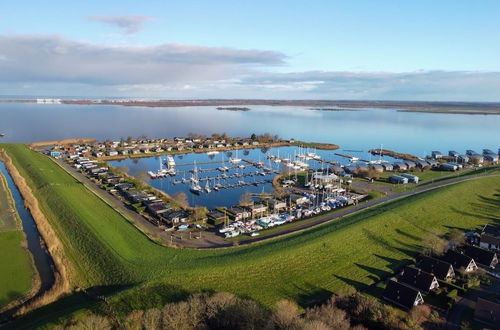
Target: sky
[(370, 50)]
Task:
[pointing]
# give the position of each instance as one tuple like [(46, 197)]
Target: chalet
[(463, 159), (421, 164), (238, 213), (124, 152), (276, 204), (490, 238), (156, 208), (482, 256), (419, 279), (98, 154), (377, 168), (436, 155), (441, 269), (123, 186), (488, 152), (453, 153), (112, 153), (402, 295), (388, 167), (410, 164), (398, 179), (113, 179), (432, 162), (174, 217), (216, 217), (410, 177), (460, 261), (491, 158), (487, 312), (471, 152), (448, 167), (257, 209), (400, 166)]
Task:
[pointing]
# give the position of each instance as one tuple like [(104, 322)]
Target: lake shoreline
[(467, 108)]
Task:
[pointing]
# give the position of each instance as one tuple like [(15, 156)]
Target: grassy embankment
[(17, 275), (353, 252)]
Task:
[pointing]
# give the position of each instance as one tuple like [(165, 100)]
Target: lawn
[(16, 268), (355, 252)]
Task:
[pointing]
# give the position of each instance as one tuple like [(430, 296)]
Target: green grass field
[(355, 251), (16, 268)]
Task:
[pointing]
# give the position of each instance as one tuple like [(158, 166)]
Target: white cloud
[(129, 24)]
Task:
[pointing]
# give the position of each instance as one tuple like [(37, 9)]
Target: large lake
[(417, 133)]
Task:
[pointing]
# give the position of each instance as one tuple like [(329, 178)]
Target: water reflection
[(404, 131)]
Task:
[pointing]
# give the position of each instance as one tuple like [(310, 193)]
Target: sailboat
[(207, 187), (235, 160), (195, 188)]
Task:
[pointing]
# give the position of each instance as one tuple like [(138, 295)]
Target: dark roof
[(435, 266), (492, 230), (400, 294), (417, 278), (457, 259), (480, 255), (487, 311)]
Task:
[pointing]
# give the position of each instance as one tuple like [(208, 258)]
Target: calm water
[(43, 261), (207, 166), (416, 133)]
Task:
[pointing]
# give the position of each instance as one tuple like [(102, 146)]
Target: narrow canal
[(43, 261)]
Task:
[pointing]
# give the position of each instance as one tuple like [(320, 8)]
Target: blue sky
[(421, 50)]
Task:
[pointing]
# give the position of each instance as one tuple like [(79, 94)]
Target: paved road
[(212, 240)]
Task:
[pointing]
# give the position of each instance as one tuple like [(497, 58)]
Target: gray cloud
[(129, 24), (55, 59), (49, 64)]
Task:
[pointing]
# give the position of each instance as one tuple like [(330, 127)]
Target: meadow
[(15, 261), (353, 252)]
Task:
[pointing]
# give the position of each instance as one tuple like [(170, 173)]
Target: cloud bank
[(129, 24), (47, 64)]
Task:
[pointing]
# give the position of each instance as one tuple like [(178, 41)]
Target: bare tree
[(286, 315), (246, 199), (151, 320), (456, 237), (181, 199), (433, 244), (200, 213)]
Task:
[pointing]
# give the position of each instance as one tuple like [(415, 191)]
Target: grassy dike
[(354, 252)]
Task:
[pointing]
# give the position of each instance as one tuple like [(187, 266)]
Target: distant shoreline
[(467, 108), (233, 108)]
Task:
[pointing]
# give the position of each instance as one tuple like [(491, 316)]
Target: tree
[(253, 137), (151, 320), (246, 199), (200, 213), (181, 199), (123, 169), (456, 237), (286, 315), (433, 244), (142, 176)]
